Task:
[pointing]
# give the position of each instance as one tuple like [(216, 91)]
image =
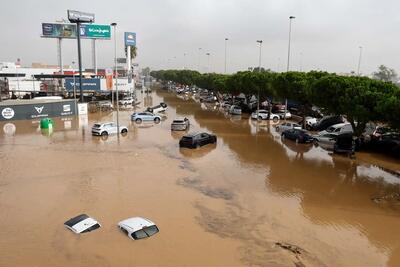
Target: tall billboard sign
[(95, 31), (130, 39), (58, 30), (87, 31)]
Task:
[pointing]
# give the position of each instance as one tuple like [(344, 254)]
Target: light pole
[(301, 61), (259, 58), (208, 62), (198, 66), (290, 33), (226, 41), (359, 61), (259, 70), (76, 108), (116, 72), (288, 57)]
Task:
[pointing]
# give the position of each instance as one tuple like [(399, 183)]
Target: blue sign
[(130, 39), (87, 84)]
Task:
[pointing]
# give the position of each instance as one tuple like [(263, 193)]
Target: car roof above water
[(136, 223)]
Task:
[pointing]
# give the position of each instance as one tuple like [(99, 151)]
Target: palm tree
[(133, 51)]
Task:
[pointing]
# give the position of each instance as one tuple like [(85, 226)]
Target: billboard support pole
[(94, 56), (128, 67), (59, 52), (78, 35)]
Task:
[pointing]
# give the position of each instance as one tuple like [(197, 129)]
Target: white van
[(338, 129)]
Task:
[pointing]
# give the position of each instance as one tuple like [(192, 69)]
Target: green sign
[(95, 31)]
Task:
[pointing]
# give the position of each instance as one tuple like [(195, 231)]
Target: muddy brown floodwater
[(250, 200)]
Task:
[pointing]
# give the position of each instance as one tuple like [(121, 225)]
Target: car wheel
[(104, 133), (275, 119), (138, 120), (124, 131), (259, 118), (157, 120)]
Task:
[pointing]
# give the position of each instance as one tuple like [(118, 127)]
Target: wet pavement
[(251, 200)]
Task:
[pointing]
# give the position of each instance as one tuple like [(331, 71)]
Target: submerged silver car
[(180, 124)]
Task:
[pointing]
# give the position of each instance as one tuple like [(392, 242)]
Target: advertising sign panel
[(58, 30), (109, 79), (87, 84), (78, 16), (25, 111), (130, 39), (64, 30), (95, 31)]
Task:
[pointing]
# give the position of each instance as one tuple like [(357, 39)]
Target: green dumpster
[(46, 123)]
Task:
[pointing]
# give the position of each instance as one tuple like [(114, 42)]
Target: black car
[(326, 122), (197, 139), (300, 136), (344, 144), (388, 143)]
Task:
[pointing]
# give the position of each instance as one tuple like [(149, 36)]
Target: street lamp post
[(226, 41), (208, 62), (288, 57), (116, 72), (76, 108), (259, 70), (198, 66), (290, 33), (359, 61)]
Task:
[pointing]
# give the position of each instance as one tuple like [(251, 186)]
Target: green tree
[(385, 74)]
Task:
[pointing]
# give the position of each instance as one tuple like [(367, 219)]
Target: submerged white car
[(108, 128), (162, 107), (262, 114), (138, 227), (127, 101), (82, 224)]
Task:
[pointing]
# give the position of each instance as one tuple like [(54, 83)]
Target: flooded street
[(251, 200)]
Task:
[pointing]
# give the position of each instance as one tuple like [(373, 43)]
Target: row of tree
[(360, 99)]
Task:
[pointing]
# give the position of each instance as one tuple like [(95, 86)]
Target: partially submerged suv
[(82, 224), (180, 124), (197, 139), (108, 128), (138, 227)]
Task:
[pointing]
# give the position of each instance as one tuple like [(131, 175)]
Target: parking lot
[(252, 198)]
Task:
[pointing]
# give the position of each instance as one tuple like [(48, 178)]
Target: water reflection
[(334, 190), (198, 152)]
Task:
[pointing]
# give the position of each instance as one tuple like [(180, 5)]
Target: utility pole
[(359, 61), (198, 66), (290, 33), (226, 40), (116, 71), (259, 70)]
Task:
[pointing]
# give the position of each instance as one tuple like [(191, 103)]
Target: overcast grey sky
[(327, 33)]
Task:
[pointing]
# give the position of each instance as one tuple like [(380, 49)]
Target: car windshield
[(151, 230), (97, 125), (139, 234), (177, 121), (187, 138)]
